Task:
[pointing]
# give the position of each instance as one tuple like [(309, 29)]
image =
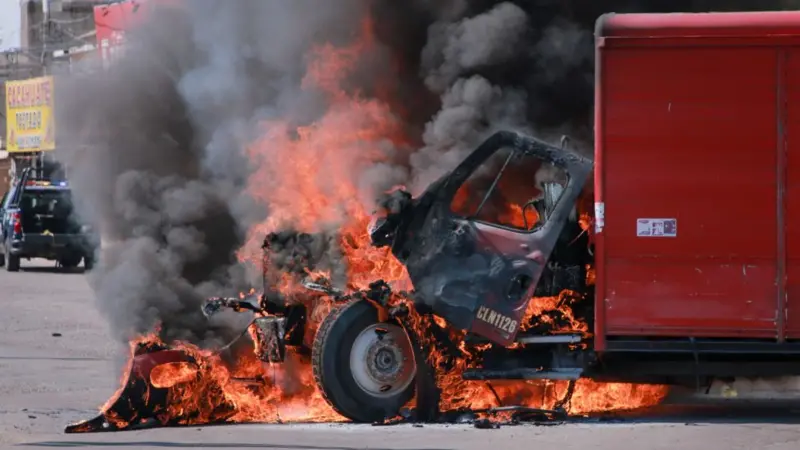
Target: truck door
[(491, 230)]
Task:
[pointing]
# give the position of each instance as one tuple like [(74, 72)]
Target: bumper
[(50, 247)]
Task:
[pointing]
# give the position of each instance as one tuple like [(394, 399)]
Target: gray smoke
[(457, 47), (155, 150), (472, 107)]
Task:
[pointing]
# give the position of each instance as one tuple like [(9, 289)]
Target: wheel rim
[(382, 360)]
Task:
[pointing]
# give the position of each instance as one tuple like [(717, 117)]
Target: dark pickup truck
[(38, 222)]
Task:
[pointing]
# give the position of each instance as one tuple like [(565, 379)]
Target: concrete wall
[(11, 28)]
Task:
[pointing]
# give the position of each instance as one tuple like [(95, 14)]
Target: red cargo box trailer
[(697, 182)]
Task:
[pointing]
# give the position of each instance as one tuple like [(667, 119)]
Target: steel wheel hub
[(382, 360)]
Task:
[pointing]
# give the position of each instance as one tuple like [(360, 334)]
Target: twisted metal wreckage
[(377, 347)]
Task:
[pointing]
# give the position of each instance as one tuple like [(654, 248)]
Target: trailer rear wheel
[(364, 368)]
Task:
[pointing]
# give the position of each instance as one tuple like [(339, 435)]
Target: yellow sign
[(29, 115)]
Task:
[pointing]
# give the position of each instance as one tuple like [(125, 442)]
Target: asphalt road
[(48, 381)]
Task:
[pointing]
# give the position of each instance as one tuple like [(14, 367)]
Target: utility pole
[(45, 32), (45, 62)]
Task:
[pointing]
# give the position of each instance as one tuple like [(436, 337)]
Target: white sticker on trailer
[(657, 227), (599, 216)]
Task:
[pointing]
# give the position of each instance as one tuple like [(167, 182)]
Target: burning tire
[(364, 368)]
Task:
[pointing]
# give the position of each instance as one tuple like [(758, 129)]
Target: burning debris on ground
[(182, 385)]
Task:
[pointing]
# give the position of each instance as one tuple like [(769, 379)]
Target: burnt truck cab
[(478, 244), (474, 256)]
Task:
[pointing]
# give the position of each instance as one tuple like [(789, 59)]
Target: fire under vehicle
[(688, 273)]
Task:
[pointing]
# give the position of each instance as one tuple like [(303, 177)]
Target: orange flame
[(169, 374)]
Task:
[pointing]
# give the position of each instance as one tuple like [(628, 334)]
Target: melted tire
[(330, 358)]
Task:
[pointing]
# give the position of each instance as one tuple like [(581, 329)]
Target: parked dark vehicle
[(38, 222)]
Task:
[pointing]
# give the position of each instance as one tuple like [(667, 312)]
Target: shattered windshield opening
[(511, 190)]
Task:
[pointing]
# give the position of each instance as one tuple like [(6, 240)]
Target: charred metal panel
[(269, 334), (476, 275)]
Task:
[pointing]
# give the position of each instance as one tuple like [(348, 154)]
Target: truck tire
[(88, 262), (365, 369), (70, 262), (2, 259)]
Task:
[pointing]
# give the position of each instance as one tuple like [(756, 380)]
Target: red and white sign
[(112, 22)]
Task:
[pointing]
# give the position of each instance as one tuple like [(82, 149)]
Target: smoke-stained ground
[(165, 147)]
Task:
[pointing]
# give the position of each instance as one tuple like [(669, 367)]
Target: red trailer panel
[(698, 175), (791, 76), (113, 21)]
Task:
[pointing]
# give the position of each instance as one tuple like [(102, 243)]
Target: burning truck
[(531, 261)]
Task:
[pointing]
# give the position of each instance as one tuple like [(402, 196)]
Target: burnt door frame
[(467, 269)]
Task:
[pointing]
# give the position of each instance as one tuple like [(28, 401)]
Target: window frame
[(519, 153)]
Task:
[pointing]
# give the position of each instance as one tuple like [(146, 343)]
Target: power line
[(63, 21)]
